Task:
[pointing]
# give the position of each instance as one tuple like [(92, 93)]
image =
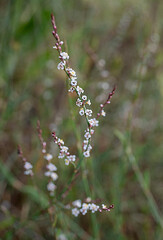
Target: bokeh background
[(109, 42)]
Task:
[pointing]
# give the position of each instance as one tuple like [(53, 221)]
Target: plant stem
[(145, 188), (82, 164)]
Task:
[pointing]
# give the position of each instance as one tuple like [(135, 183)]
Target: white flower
[(93, 122), (54, 47), (86, 154), (47, 174), (48, 157), (71, 72), (73, 83), (88, 102), (104, 206), (62, 237), (67, 162), (51, 186), (103, 113), (85, 144), (75, 212), (60, 141), (79, 90), (54, 176), (84, 97), (64, 55), (77, 203), (71, 158), (61, 155), (89, 148), (81, 112), (85, 147), (88, 199), (93, 207), (61, 43), (28, 166), (92, 131), (88, 112), (71, 89), (51, 167), (83, 211), (64, 149), (85, 206), (61, 65), (78, 102), (28, 172), (87, 135)]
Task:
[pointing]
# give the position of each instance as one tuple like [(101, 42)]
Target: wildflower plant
[(83, 102)]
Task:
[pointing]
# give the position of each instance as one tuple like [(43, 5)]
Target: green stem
[(148, 194)]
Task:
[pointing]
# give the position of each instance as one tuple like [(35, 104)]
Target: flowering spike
[(101, 111), (39, 131), (27, 165), (53, 22), (83, 208), (64, 151)]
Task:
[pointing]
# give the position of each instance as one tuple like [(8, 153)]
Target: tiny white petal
[(54, 176), (51, 167), (73, 83), (67, 162), (103, 113), (51, 186), (64, 55), (77, 203), (47, 174), (28, 165), (48, 157), (28, 172), (75, 212), (84, 97), (86, 154), (81, 112), (61, 65)]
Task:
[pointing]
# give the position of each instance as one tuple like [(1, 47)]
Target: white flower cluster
[(86, 143), (28, 168), (83, 208), (103, 113), (82, 102), (94, 122), (63, 56), (64, 151), (51, 168)]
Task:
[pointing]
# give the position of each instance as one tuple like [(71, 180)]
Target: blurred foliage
[(127, 35)]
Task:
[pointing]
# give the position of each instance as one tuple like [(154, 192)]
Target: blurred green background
[(109, 42)]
